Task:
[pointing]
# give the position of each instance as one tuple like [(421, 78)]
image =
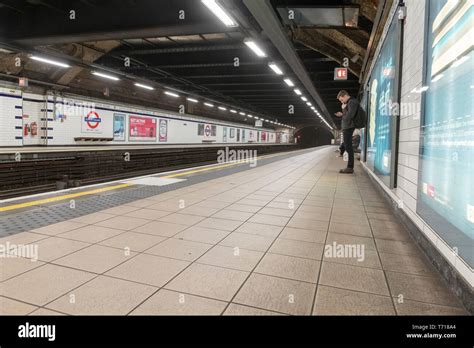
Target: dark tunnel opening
[(313, 136)]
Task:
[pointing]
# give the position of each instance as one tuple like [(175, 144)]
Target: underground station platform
[(214, 241), (240, 172)]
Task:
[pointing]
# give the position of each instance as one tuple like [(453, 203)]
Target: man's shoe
[(346, 171)]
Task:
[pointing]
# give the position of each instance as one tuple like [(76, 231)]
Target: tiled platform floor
[(248, 243)]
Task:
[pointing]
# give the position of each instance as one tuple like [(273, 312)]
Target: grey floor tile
[(334, 301), (277, 294), (208, 281), (353, 278)]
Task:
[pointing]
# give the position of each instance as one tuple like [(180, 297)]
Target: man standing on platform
[(348, 126)]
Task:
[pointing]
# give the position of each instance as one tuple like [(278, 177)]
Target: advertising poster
[(91, 123), (446, 184), (251, 135), (142, 128), (264, 136), (224, 134), (163, 135), (382, 97), (119, 127)]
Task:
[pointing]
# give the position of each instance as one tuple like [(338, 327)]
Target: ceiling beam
[(85, 53), (333, 44), (186, 49)]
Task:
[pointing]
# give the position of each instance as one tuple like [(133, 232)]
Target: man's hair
[(342, 93)]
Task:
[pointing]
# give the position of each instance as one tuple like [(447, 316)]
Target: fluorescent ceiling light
[(309, 104), (219, 13), (144, 86), (209, 104), (233, 111), (257, 50), (242, 113), (297, 91), (304, 99), (221, 108), (171, 94), (49, 61), (289, 82), (110, 77), (275, 68), (192, 100), (249, 115)]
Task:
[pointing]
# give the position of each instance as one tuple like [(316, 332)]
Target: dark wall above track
[(313, 136)]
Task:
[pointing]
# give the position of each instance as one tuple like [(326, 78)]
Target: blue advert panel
[(383, 98), (446, 177)]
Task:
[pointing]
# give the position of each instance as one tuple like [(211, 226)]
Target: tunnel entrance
[(312, 136)]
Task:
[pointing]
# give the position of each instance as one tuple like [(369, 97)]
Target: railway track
[(49, 171)]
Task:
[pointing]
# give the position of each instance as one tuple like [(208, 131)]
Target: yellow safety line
[(60, 198), (109, 188), (215, 167)]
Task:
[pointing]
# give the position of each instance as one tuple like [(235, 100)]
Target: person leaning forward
[(347, 125)]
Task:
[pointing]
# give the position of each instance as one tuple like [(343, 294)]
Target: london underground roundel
[(92, 119)]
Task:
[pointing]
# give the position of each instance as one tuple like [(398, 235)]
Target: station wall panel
[(76, 120)]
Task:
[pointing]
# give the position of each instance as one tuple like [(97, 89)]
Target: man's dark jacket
[(349, 113)]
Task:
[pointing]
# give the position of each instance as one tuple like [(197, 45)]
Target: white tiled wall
[(182, 129), (11, 122), (408, 155)]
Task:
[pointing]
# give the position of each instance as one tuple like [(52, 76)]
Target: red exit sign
[(340, 73)]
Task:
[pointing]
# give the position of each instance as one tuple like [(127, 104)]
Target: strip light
[(257, 50), (171, 94), (275, 68), (110, 77), (49, 61), (144, 86), (219, 12)]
